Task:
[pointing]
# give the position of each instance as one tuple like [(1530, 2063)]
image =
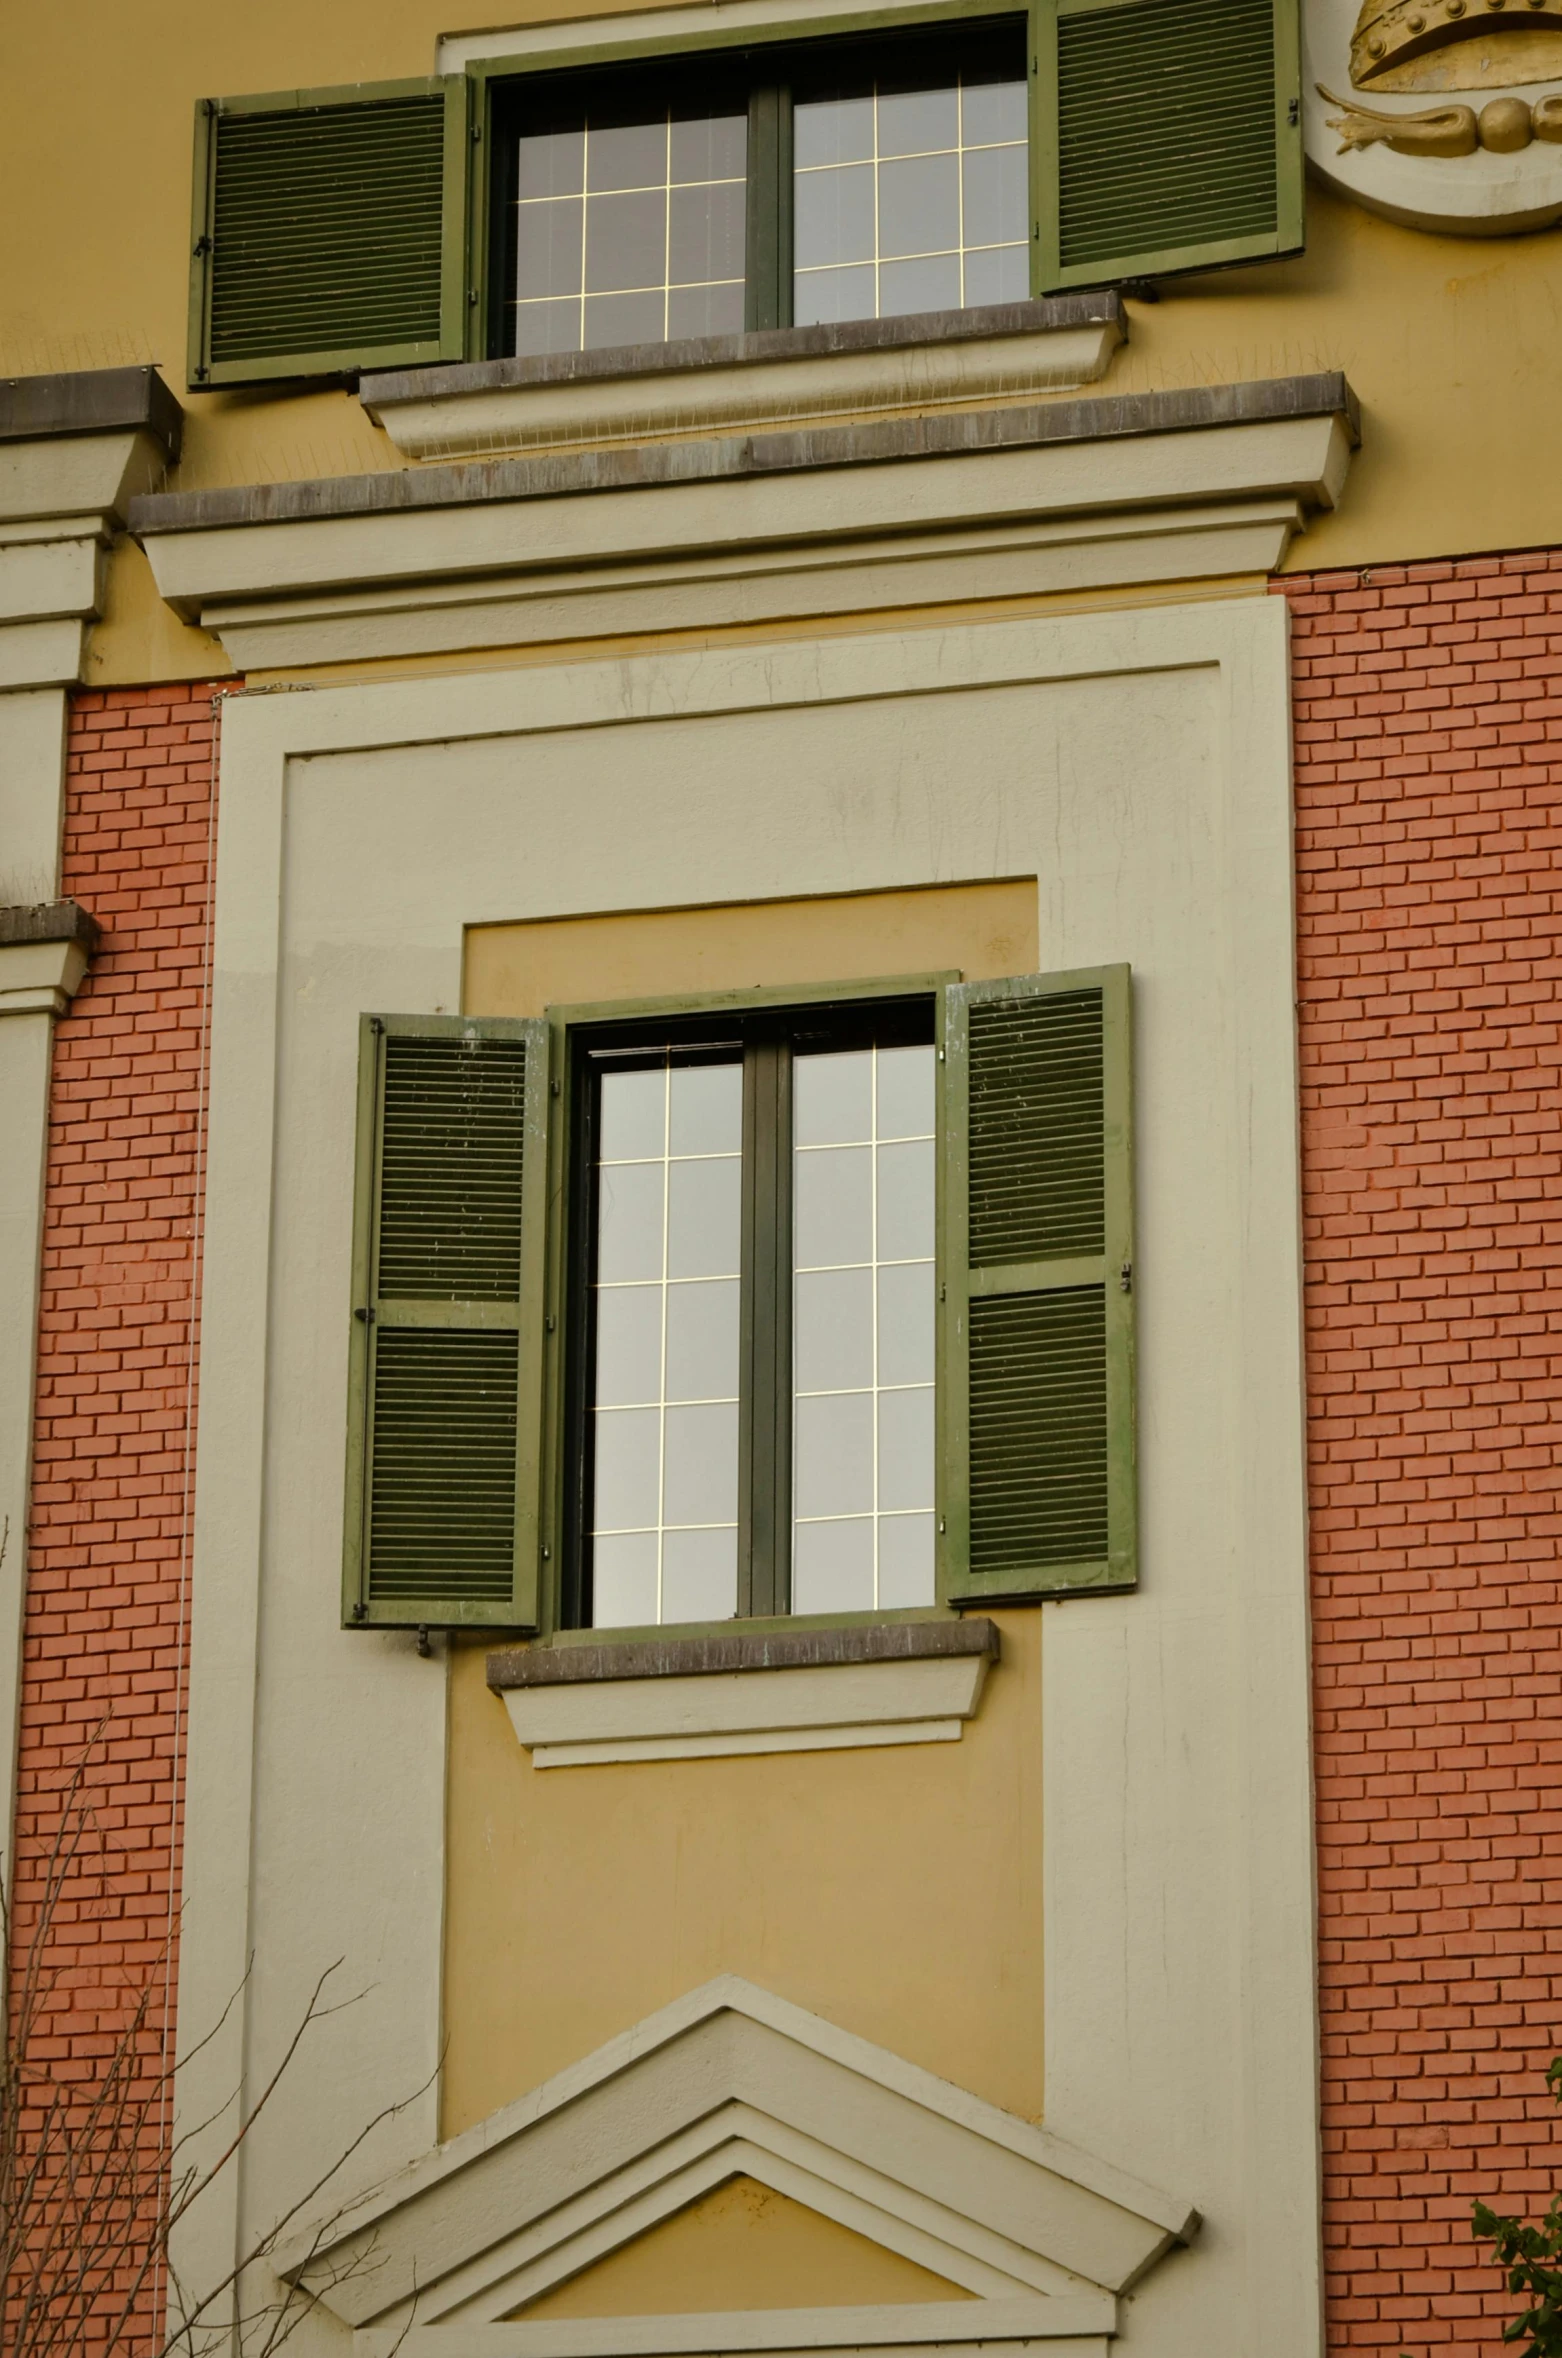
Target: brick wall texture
[(104, 1657), (1429, 792)]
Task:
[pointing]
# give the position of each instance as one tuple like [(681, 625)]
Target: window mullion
[(768, 230)]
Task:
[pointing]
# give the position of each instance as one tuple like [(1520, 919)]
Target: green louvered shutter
[(1167, 136), (329, 231), (448, 1261), (1036, 1405)]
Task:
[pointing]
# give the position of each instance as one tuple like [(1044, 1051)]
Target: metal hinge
[(366, 1315), (1125, 1277), (1293, 114), (203, 245)]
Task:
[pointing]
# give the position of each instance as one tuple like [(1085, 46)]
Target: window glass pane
[(662, 1517), (863, 1254), (909, 188), (638, 211), (832, 1568)]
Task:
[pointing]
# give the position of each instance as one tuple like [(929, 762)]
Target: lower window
[(753, 1356)]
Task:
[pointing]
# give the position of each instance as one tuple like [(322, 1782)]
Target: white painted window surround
[(679, 28)]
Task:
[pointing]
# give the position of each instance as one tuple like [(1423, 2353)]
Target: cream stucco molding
[(679, 27), (785, 379), (721, 2082), (1138, 764), (834, 1691), (1075, 495)]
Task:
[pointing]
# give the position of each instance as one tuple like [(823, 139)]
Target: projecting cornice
[(1059, 496)]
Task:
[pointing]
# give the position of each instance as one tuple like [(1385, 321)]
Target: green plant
[(1532, 2257)]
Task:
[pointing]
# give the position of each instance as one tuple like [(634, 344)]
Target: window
[(961, 157), (632, 210), (794, 1303), (754, 1269)]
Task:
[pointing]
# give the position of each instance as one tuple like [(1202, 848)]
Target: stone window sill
[(781, 379), (805, 1690)]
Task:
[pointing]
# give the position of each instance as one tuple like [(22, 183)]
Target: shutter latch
[(1125, 1277), (366, 1315)]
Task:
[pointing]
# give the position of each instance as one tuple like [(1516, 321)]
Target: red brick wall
[(108, 1560), (1429, 788)]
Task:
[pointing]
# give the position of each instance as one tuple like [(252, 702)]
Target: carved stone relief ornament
[(1446, 114)]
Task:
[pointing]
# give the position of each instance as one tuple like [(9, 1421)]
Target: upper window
[(762, 1307), (650, 198), (835, 182)]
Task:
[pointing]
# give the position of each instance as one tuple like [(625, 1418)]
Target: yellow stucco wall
[(742, 2246), (1454, 345), (871, 1886)]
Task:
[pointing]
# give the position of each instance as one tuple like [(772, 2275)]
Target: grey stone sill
[(467, 485), (804, 343), (49, 921), (696, 1657), (91, 401)]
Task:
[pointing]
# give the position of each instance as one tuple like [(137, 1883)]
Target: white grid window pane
[(909, 200), (664, 1500), (630, 232), (863, 1257)]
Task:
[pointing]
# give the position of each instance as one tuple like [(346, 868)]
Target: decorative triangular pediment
[(458, 2257)]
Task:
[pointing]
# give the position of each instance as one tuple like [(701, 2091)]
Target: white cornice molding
[(1074, 497), (474, 413), (683, 27), (840, 1708), (732, 2079)]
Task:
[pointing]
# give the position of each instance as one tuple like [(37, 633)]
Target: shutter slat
[(1036, 1431), (442, 1471), (334, 227), (443, 1450), (1169, 136)]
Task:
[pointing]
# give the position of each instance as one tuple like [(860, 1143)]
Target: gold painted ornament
[(1433, 45)]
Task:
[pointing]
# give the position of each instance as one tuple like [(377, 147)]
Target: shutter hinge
[(550, 1322), (366, 1315), (376, 1026), (203, 245), (546, 1553), (940, 1526), (424, 1648), (553, 1088), (471, 295), (477, 132), (943, 1293), (1293, 114), (1125, 1277), (360, 1611)]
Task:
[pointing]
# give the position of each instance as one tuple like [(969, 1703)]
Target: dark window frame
[(768, 65), (768, 1037)]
